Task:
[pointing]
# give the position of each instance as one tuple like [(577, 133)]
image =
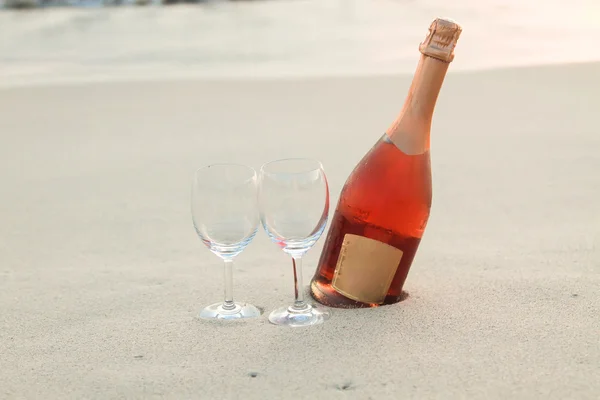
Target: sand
[(101, 273)]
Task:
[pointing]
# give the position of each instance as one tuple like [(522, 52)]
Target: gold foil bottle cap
[(441, 39)]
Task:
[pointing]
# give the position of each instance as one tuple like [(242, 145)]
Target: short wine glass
[(225, 216), (294, 206)]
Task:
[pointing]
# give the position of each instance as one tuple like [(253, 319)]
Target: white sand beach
[(106, 113), (102, 273)]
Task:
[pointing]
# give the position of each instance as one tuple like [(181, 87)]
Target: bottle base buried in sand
[(237, 311), (324, 293), (328, 290)]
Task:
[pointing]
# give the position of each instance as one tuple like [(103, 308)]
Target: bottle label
[(365, 269)]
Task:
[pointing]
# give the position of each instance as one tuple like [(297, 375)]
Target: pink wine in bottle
[(384, 206)]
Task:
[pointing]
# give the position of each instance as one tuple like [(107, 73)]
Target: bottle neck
[(410, 131)]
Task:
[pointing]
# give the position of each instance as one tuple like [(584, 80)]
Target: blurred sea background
[(92, 40)]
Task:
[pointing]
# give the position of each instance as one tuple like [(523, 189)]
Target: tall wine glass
[(294, 205), (225, 215)]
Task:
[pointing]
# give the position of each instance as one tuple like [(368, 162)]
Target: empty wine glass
[(294, 205), (225, 215)]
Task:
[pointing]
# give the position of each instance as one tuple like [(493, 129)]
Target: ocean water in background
[(283, 38)]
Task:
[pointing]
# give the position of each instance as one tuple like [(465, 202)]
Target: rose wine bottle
[(384, 206)]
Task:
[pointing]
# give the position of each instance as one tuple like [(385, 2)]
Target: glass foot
[(238, 311), (295, 316)]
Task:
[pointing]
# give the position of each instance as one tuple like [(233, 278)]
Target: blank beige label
[(365, 269)]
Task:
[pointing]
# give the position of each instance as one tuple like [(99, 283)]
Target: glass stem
[(228, 304), (299, 303)]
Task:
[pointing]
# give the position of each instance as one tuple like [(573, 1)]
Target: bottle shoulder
[(385, 167), (388, 187)]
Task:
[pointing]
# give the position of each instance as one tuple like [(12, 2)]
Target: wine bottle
[(384, 205)]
